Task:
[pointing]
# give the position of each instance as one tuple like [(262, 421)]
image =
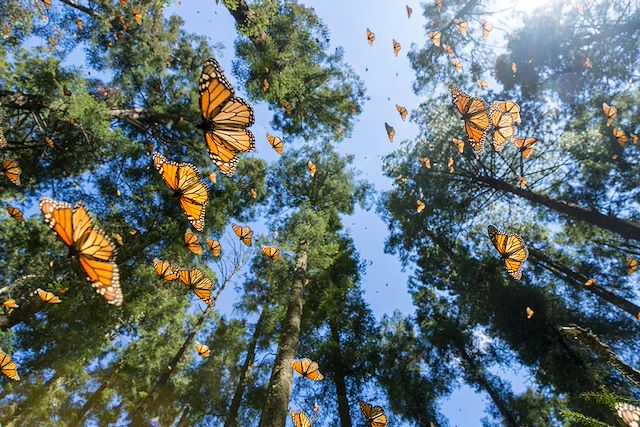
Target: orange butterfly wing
[(8, 367), (164, 270), (475, 113), (308, 369), (271, 252), (192, 243), (12, 171), (215, 247), (374, 415), (512, 249), (525, 145), (199, 284), (244, 233)]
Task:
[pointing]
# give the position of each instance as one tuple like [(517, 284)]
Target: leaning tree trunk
[(232, 415), (275, 407), (339, 375)]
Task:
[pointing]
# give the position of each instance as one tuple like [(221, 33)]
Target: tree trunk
[(93, 399), (232, 415), (339, 379), (28, 308), (274, 413), (242, 15), (623, 228), (577, 280)]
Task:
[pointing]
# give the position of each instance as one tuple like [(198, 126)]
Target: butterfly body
[(374, 415)]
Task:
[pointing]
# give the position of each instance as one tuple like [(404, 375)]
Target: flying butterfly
[(213, 177), (475, 113), (439, 5), (426, 162), (214, 247), (459, 144), (620, 136), (15, 213), (203, 350), (370, 37), (184, 180), (587, 63), (271, 252), (409, 11), (420, 206), (11, 171), (634, 138), (374, 415), (435, 37), (503, 127), (402, 111), (118, 238), (630, 414), (525, 145), (308, 369), (48, 297), (509, 107), (391, 132), (276, 142), (47, 3), (94, 249), (10, 303), (8, 367), (450, 163), (164, 270), (396, 47), (609, 112), (632, 264), (79, 23), (514, 67), (254, 194), (192, 243), (529, 312), (244, 233), (590, 282), (484, 85), (200, 284), (137, 16), (225, 119), (447, 49), (463, 26), (511, 248), (265, 85), (457, 63), (522, 181), (300, 419), (487, 27), (312, 168)]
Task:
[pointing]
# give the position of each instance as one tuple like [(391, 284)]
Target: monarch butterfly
[(439, 5), (213, 177), (512, 250), (391, 132), (244, 233), (48, 297), (402, 111), (47, 3), (276, 142), (450, 163), (118, 238), (203, 350), (95, 251), (374, 415), (425, 162), (200, 284), (514, 67), (164, 270), (419, 206), (620, 136), (459, 144), (225, 119), (192, 243), (312, 168), (633, 265), (457, 63), (254, 195), (487, 27), (271, 252), (214, 247), (529, 312), (370, 37), (522, 181), (8, 367), (300, 419), (475, 114), (12, 171), (49, 142), (396, 47), (590, 282), (509, 107), (630, 414), (409, 11), (308, 369), (484, 85), (634, 138), (265, 85), (503, 127), (525, 145), (435, 37), (3, 139), (15, 213), (287, 107), (10, 303), (587, 63), (447, 49), (186, 184), (137, 16), (462, 25)]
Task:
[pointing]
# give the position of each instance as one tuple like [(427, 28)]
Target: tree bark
[(28, 308), (275, 409), (232, 415), (623, 228), (339, 378)]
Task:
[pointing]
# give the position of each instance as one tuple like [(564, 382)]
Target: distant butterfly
[(79, 23), (457, 63), (287, 107), (447, 49), (271, 252), (265, 85), (184, 180), (522, 181), (312, 168), (475, 114), (137, 16), (419, 206), (8, 367), (529, 312), (435, 37), (463, 26), (192, 243), (118, 238), (590, 282), (634, 138), (213, 177), (47, 3), (483, 84), (396, 47), (514, 67), (48, 297), (370, 37), (459, 144), (94, 250), (620, 136), (503, 127), (254, 194), (409, 11), (164, 270), (300, 419), (225, 119), (276, 142), (425, 162), (15, 213), (244, 233), (10, 303), (509, 107), (203, 350), (200, 284), (633, 265), (512, 250), (630, 414), (525, 145), (439, 5), (487, 27), (587, 63), (374, 415), (402, 111), (308, 369), (214, 247), (11, 171), (391, 132), (450, 164)]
